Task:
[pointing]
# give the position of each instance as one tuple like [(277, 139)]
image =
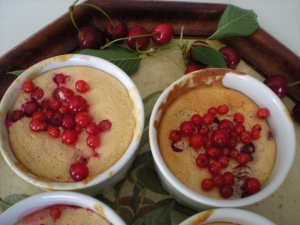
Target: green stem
[(141, 200), (97, 8), (75, 25), (292, 84)]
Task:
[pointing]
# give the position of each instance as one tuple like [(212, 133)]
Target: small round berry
[(187, 128), (238, 117), (16, 115), (226, 190), (255, 135), (202, 161), (213, 111), (196, 119), (245, 137), (220, 138), (60, 78), (55, 213), (77, 104), (257, 127), (105, 126), (93, 141), (37, 125), (92, 129), (68, 122), (223, 109), (28, 87), (62, 93), (69, 137), (175, 135), (239, 128), (207, 119), (228, 178), (263, 113), (54, 132), (243, 158), (223, 160), (233, 153), (226, 125), (39, 116), (196, 140), (79, 171), (81, 86), (213, 152), (82, 119), (252, 185), (207, 184), (214, 167), (29, 108), (217, 179)]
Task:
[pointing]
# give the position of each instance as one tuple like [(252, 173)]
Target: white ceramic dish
[(110, 177), (47, 199), (282, 130), (237, 216)]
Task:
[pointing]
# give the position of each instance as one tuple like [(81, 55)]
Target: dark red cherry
[(116, 31), (142, 42), (162, 33), (278, 84), (92, 38), (196, 44), (233, 57), (192, 68)]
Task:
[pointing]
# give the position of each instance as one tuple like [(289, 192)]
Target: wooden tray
[(260, 50)]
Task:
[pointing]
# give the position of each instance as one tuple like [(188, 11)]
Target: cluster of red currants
[(64, 112), (219, 145)]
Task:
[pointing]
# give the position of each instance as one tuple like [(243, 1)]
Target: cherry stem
[(292, 84), (97, 8), (71, 9)]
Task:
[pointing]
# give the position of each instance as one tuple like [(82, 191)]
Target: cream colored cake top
[(49, 158), (69, 215), (198, 100)]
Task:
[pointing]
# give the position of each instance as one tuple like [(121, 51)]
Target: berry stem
[(295, 83), (71, 9)]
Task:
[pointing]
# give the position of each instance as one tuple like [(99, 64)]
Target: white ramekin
[(40, 201), (103, 182), (281, 126)]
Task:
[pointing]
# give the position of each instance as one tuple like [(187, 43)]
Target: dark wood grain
[(260, 50)]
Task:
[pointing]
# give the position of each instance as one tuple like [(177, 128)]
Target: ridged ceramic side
[(282, 129), (110, 177)]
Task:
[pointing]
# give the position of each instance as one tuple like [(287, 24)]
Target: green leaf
[(236, 21), (124, 58), (16, 72), (159, 216), (150, 101), (10, 200), (210, 56)]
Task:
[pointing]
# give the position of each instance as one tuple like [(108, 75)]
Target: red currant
[(218, 180), (207, 184), (214, 167), (60, 78), (202, 161), (213, 111), (62, 93), (238, 117), (105, 126), (223, 160), (207, 119), (37, 125), (226, 190), (30, 107), (28, 87), (68, 122), (37, 94), (239, 128), (255, 135), (196, 119), (245, 137), (257, 127), (213, 152), (16, 115), (83, 119), (81, 86), (39, 116), (223, 109), (77, 104), (228, 178), (263, 113), (54, 132), (220, 138), (79, 171), (233, 153), (175, 135), (55, 213), (243, 158), (226, 125), (196, 140), (252, 185), (187, 128), (92, 129), (69, 137), (93, 141)]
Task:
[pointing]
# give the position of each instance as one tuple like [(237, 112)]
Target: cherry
[(162, 33), (226, 190), (278, 83), (77, 104), (28, 86), (232, 56), (262, 113), (81, 86), (196, 44), (187, 128), (93, 141), (16, 115), (192, 68), (142, 42), (196, 140), (296, 113), (105, 126), (69, 137), (115, 29), (79, 171), (91, 37), (252, 185), (207, 184), (55, 213), (175, 135), (220, 138), (202, 161)]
